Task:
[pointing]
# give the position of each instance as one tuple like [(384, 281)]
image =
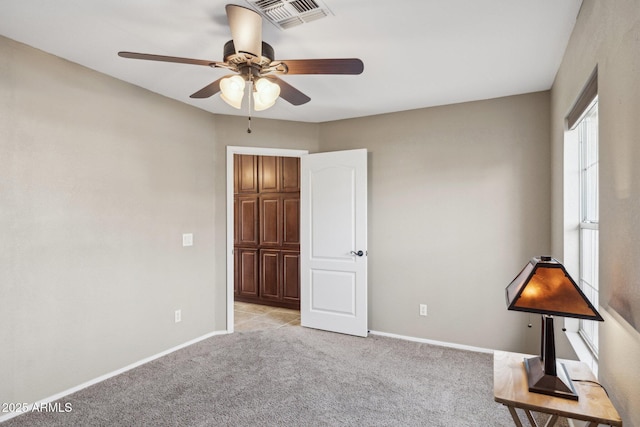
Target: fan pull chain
[(250, 93)]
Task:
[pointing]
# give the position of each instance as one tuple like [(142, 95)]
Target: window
[(580, 206), (587, 132)]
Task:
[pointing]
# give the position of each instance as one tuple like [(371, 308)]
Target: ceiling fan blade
[(290, 93), (246, 29), (209, 90), (150, 57), (324, 66)]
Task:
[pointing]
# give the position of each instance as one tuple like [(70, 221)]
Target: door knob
[(359, 253)]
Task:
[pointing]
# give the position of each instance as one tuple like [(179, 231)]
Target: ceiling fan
[(254, 62)]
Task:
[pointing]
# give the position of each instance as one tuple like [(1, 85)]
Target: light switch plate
[(423, 309), (187, 239)]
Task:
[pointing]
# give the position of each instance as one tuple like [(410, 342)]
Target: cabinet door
[(247, 220), (291, 221), (271, 220), (247, 272), (268, 174), (279, 275), (270, 275), (290, 174), (290, 276), (246, 173)]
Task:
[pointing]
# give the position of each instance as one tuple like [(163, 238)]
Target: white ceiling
[(416, 53)]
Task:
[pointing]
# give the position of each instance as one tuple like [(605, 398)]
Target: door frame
[(254, 151)]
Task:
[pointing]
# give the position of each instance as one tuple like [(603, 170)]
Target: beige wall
[(607, 35), (458, 203), (98, 181)]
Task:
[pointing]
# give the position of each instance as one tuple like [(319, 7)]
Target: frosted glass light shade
[(265, 94), (232, 90)]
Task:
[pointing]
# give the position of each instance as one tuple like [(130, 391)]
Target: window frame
[(588, 251), (571, 206)]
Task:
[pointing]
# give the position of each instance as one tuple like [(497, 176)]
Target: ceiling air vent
[(304, 6), (285, 14)]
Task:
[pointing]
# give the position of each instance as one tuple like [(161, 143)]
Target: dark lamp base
[(559, 385)]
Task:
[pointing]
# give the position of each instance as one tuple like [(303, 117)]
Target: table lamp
[(544, 286)]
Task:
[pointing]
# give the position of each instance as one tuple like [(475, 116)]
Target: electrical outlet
[(187, 239), (177, 316), (423, 309)]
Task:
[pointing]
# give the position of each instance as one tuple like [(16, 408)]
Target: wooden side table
[(510, 388)]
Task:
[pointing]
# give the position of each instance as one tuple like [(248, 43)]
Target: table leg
[(514, 415), (532, 420), (551, 421)]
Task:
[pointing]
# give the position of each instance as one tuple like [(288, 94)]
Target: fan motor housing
[(229, 53)]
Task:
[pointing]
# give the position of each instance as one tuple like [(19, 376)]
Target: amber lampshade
[(544, 286)]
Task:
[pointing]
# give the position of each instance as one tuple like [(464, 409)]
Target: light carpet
[(292, 376)]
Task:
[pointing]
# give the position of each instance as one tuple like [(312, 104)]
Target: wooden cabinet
[(291, 221), (246, 220), (290, 176), (271, 220), (246, 272), (291, 276), (278, 174), (269, 174), (246, 176), (267, 230)]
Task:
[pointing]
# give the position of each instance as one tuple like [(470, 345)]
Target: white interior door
[(333, 241)]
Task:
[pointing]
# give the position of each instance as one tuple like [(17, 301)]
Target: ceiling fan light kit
[(253, 60), (265, 92)]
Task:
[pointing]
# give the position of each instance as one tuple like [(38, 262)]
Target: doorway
[(267, 230), (333, 227), (251, 255)]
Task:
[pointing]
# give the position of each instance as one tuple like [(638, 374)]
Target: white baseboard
[(434, 342), (101, 378)]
